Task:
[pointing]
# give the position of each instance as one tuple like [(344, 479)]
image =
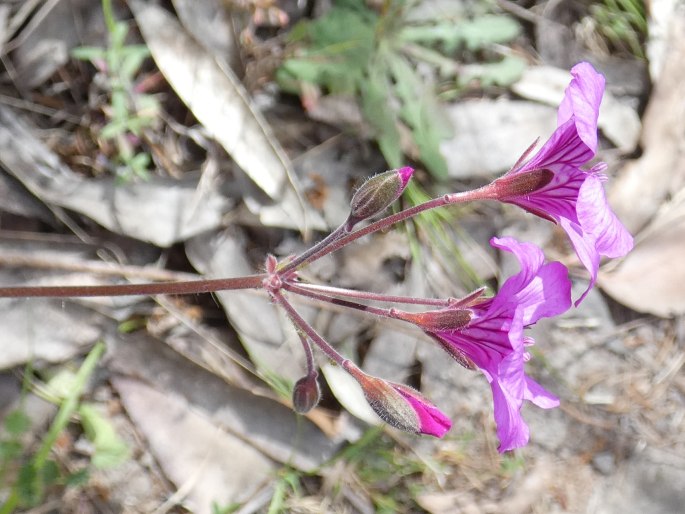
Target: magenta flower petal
[(581, 102), (596, 218), (493, 337), (431, 419), (572, 197), (539, 290)]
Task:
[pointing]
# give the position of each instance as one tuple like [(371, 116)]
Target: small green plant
[(622, 22), (37, 473), (129, 111), (375, 57), (390, 474), (287, 484)]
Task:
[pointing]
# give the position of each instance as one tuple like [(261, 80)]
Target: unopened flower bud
[(377, 193), (399, 405), (306, 393)]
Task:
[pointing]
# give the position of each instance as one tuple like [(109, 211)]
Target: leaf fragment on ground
[(206, 463), (651, 278), (659, 173), (259, 420), (262, 329), (161, 211), (490, 135), (37, 329), (218, 100)]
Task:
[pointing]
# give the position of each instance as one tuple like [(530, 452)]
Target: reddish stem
[(186, 287), (366, 295), (484, 193), (305, 327), (293, 288)]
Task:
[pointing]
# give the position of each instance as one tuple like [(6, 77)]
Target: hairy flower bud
[(306, 393), (399, 405), (377, 193)]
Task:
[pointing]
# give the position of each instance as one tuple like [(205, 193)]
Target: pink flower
[(399, 405), (553, 186), (493, 339)]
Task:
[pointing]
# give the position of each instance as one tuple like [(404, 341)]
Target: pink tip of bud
[(400, 406), (405, 175)]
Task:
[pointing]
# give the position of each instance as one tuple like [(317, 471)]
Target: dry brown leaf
[(206, 463), (161, 211), (218, 100), (259, 420), (645, 183), (262, 329), (651, 278), (491, 135)]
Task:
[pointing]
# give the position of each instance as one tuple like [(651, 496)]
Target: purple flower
[(493, 339), (553, 186), (399, 405)]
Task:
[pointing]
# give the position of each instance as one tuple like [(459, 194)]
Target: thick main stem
[(186, 287)]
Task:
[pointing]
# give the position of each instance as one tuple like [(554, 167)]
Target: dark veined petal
[(581, 101)]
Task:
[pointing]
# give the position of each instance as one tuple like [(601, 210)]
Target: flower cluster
[(481, 333), (487, 334)]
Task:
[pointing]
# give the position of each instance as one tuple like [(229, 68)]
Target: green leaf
[(446, 33), (380, 114), (133, 57), (10, 450), (341, 43), (113, 129), (27, 485), (421, 111), (227, 509), (50, 473), (345, 31), (136, 124), (78, 478), (118, 35), (88, 53), (17, 423), (503, 73), (110, 449), (120, 110), (139, 163), (487, 30), (305, 70)]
